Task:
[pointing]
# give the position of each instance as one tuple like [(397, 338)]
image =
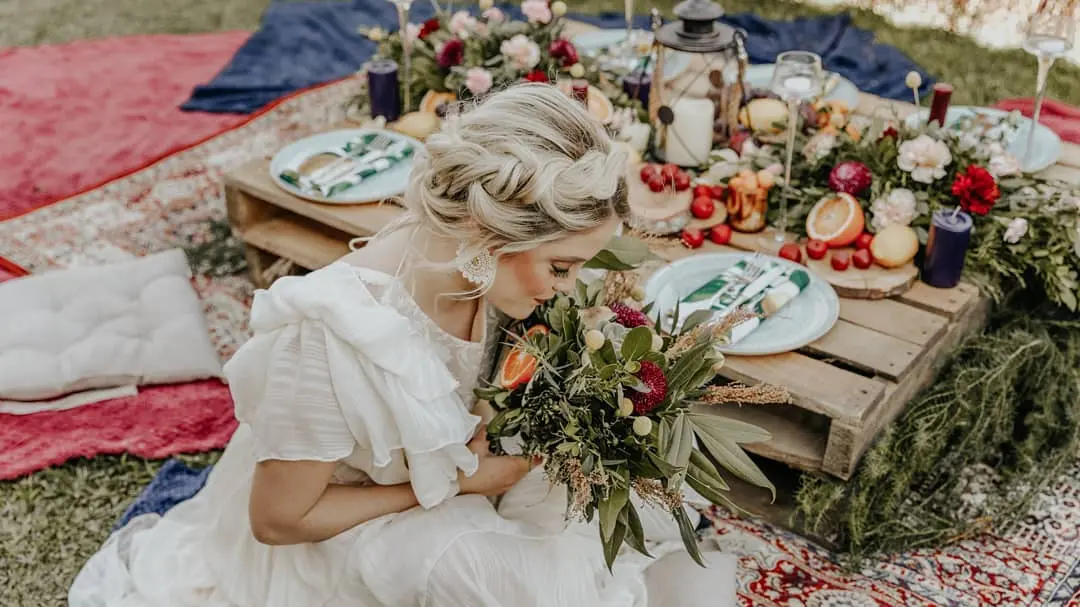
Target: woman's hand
[(496, 474)]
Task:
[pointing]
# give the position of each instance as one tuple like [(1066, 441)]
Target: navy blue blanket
[(174, 483), (301, 44)]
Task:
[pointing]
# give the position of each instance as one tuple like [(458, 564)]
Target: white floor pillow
[(66, 335)]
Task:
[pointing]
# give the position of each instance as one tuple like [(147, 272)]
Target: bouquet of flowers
[(608, 397), (466, 55)]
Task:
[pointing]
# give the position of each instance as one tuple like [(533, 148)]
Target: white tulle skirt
[(461, 553)]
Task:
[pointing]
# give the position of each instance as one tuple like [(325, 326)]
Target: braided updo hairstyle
[(526, 166)]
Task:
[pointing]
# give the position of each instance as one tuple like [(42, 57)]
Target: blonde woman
[(359, 475)]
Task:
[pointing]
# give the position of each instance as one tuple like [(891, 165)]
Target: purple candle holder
[(950, 233), (637, 84), (383, 89)]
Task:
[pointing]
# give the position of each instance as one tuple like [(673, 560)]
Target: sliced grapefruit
[(837, 220), (433, 99), (518, 366)]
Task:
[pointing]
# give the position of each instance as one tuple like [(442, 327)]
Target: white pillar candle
[(689, 138)]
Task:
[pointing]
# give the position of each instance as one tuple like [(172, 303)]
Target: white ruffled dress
[(345, 367)]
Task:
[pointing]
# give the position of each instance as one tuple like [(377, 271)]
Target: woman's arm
[(294, 502)]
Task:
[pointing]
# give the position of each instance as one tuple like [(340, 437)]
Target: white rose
[(897, 207), (1003, 165), (536, 11), (925, 158), (523, 53), (462, 24), (1018, 227)]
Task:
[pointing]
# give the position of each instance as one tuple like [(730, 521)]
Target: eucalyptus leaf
[(688, 533), (729, 455), (695, 319), (612, 545), (678, 452), (732, 429), (636, 343), (606, 260), (611, 507), (635, 533)]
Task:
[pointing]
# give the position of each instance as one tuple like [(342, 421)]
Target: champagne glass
[(796, 78), (403, 7), (1048, 36)]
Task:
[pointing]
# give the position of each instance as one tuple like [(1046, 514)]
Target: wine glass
[(403, 7), (796, 78), (1048, 36)]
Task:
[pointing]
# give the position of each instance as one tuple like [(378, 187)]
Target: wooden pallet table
[(847, 386)]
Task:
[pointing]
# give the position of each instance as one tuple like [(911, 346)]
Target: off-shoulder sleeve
[(331, 369)]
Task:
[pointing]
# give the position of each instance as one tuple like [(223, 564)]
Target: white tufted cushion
[(137, 322)]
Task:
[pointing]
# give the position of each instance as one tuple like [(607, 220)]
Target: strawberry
[(654, 381)]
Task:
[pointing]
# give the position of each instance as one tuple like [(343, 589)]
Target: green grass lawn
[(50, 522)]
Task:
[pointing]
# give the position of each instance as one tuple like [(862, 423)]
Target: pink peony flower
[(494, 15), (478, 80), (462, 24), (523, 53), (536, 11)]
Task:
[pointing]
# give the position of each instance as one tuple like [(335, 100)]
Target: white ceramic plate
[(1047, 143), (384, 185), (760, 76), (597, 41), (802, 321)]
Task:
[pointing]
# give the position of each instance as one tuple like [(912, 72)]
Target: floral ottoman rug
[(178, 202)]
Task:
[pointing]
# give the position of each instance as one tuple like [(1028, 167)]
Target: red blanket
[(1059, 117), (78, 114)]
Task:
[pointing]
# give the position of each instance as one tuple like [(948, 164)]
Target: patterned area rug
[(176, 202)]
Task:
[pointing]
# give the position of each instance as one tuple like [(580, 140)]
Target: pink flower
[(536, 11), (478, 80), (462, 24), (494, 15), (523, 53)]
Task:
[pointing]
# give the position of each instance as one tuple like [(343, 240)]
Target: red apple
[(720, 234), (692, 238), (864, 240), (669, 171), (792, 252), (719, 192), (816, 249), (840, 260), (862, 259), (702, 190), (702, 207), (682, 181)]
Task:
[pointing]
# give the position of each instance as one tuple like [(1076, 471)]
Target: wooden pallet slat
[(866, 349), (888, 316)]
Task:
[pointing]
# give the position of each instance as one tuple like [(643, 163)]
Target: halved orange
[(837, 220), (518, 366), (433, 99)]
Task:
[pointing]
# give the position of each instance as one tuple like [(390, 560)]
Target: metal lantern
[(699, 107)]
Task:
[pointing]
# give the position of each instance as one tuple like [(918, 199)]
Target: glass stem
[(406, 51), (793, 120), (1040, 91)]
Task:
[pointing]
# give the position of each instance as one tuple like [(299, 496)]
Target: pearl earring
[(479, 269)]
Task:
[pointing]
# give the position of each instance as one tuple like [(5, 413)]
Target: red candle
[(580, 88), (939, 103)]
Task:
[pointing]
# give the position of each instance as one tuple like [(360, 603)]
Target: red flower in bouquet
[(890, 132), (653, 378), (428, 28), (452, 53), (629, 317), (563, 50), (976, 189), (537, 76)]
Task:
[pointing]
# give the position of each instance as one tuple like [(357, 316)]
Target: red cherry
[(791, 251), (702, 208), (692, 238), (682, 182), (656, 183), (647, 171), (862, 259), (719, 192), (863, 241), (840, 260), (702, 190), (816, 249), (720, 234)]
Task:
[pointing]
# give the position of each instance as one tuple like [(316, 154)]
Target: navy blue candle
[(637, 85), (950, 233), (383, 89)]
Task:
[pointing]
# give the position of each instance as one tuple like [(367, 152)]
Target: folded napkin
[(365, 163), (736, 287)]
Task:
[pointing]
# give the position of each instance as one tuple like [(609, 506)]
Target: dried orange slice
[(518, 366), (837, 220)]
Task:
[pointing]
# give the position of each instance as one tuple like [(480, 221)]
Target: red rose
[(537, 76), (430, 27), (976, 189), (452, 53), (563, 49), (890, 133)]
